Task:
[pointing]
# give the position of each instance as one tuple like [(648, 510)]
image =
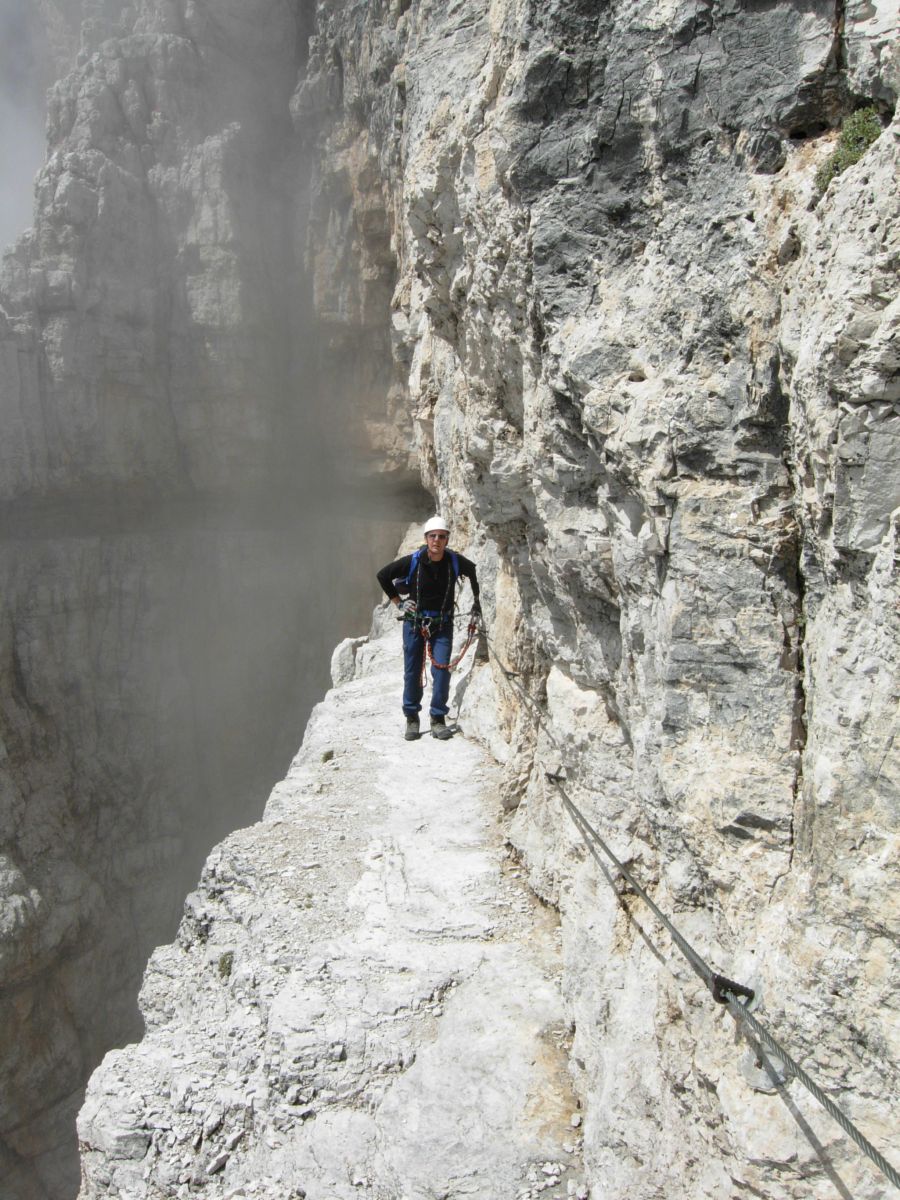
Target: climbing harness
[(425, 624), (471, 635), (735, 996)]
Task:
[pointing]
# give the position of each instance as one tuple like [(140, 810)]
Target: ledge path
[(363, 998)]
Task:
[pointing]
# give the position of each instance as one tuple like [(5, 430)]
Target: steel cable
[(725, 991), (741, 1014)]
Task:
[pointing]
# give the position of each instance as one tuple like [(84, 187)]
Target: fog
[(173, 584), (23, 80)]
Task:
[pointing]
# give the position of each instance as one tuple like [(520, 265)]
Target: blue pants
[(440, 642)]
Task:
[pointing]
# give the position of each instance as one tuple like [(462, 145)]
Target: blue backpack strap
[(416, 558), (413, 566)]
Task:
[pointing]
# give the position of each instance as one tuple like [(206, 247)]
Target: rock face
[(654, 382), (177, 318), (652, 377)]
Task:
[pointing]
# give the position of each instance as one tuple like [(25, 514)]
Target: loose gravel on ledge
[(363, 999)]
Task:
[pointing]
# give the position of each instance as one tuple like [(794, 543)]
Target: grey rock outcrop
[(145, 275)]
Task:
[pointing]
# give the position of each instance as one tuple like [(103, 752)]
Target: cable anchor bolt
[(724, 989)]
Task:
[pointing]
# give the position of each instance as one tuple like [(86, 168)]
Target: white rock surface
[(364, 997)]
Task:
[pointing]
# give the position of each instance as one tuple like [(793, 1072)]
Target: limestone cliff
[(651, 376), (654, 381)]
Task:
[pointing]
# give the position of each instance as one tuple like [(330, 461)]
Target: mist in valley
[(173, 587)]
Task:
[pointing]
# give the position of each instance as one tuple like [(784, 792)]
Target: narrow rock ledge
[(363, 999)]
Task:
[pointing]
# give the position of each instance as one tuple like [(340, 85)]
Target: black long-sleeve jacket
[(432, 587)]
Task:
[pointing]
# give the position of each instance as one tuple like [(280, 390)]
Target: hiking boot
[(412, 729), (439, 729)]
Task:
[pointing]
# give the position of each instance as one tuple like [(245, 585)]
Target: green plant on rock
[(858, 133)]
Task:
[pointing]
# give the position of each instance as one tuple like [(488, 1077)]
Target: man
[(428, 579)]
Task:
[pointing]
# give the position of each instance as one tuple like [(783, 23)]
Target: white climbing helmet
[(436, 525)]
